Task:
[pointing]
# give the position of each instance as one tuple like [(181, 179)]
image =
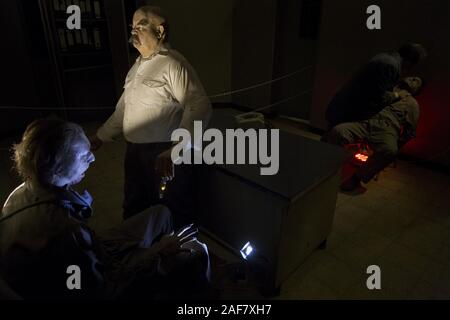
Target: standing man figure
[(161, 93)]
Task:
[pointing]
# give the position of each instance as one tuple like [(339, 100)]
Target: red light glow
[(361, 157)]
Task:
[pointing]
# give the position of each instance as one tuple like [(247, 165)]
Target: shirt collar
[(78, 203), (163, 50)]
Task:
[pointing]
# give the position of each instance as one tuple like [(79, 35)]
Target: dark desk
[(284, 216)]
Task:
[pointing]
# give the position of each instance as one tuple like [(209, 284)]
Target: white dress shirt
[(161, 93)]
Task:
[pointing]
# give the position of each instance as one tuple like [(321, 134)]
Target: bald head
[(157, 20), (153, 13)]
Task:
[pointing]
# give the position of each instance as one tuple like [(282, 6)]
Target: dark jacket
[(368, 92), (43, 231)]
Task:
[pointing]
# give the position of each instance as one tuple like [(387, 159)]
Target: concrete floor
[(401, 224)]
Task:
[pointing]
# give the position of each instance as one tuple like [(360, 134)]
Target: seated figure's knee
[(388, 150), (163, 213), (157, 221), (339, 135)]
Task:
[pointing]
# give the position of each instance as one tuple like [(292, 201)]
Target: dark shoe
[(351, 184)]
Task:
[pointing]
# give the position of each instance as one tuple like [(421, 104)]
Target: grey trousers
[(382, 136), (191, 272)]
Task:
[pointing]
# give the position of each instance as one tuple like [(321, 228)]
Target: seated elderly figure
[(385, 132), (43, 231)]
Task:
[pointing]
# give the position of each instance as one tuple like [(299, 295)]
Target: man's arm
[(113, 127), (189, 92), (385, 73), (388, 97)]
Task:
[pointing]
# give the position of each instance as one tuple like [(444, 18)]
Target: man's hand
[(171, 243), (401, 93), (95, 141), (164, 166), (171, 246)]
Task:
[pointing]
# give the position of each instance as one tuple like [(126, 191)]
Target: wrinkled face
[(83, 157), (142, 36), (412, 84)]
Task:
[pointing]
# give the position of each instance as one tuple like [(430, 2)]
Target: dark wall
[(295, 45), (37, 74), (116, 12), (236, 44), (24, 55), (253, 50), (15, 62), (346, 43)]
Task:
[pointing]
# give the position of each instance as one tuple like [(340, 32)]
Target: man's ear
[(159, 31)]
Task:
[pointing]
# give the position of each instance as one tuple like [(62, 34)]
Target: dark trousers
[(142, 183), (382, 136)]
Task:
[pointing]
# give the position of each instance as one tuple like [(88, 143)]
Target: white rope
[(260, 84), (211, 97), (101, 108), (55, 109), (280, 102)]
